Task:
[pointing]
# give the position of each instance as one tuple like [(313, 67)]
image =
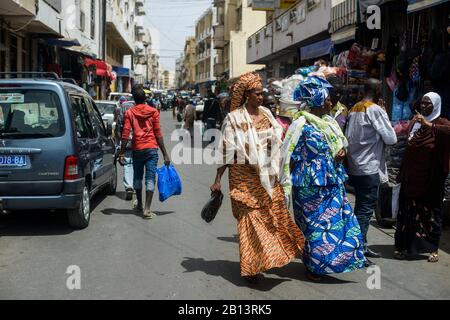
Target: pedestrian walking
[(128, 158), (189, 118), (368, 131), (423, 173), (312, 166), (144, 121), (211, 113), (339, 111), (268, 237), (270, 102)]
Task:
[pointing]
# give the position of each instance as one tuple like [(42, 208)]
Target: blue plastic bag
[(169, 183)]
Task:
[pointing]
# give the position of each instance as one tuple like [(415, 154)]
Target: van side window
[(96, 119), (81, 117)]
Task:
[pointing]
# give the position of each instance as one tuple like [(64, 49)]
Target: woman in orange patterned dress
[(251, 137)]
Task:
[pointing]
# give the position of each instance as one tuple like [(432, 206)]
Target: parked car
[(107, 110), (115, 96), (55, 151)]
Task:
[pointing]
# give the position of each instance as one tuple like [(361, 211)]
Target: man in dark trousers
[(211, 114), (147, 138)]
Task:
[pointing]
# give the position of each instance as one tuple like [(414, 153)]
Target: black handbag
[(211, 208)]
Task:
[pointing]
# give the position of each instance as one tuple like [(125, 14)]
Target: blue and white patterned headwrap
[(313, 90)]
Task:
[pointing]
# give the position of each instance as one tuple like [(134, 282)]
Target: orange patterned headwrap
[(246, 82)]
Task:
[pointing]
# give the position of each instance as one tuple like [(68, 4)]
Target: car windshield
[(30, 114), (106, 108)]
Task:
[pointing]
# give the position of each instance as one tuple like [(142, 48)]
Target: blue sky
[(171, 22)]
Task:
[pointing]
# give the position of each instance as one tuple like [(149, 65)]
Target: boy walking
[(147, 139)]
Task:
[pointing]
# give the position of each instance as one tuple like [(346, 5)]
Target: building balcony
[(140, 11), (116, 32), (44, 22), (218, 3), (219, 37), (219, 69), (18, 7)]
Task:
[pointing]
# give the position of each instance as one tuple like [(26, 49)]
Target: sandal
[(434, 257), (148, 215), (399, 255), (312, 276)]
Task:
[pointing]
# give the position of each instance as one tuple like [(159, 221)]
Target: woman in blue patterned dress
[(322, 211)]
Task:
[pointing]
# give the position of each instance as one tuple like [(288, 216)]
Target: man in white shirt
[(368, 131)]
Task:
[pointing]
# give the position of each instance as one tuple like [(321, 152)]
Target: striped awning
[(416, 5), (343, 13)]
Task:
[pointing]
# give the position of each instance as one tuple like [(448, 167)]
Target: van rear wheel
[(79, 217)]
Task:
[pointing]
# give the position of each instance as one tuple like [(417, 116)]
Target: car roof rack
[(29, 75), (69, 80)]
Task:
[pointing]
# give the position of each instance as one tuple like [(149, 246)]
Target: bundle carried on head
[(246, 82)]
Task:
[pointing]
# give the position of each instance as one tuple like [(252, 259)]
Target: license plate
[(13, 161)]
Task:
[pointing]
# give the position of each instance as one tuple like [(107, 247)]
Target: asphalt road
[(177, 255)]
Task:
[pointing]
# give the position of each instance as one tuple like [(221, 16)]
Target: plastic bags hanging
[(169, 183)]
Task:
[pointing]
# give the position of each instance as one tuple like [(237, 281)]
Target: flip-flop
[(399, 255), (433, 258), (148, 215)]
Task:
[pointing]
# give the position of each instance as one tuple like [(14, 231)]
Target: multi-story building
[(168, 77), (204, 52), (154, 71), (292, 37), (67, 38), (25, 26), (234, 22), (120, 40), (178, 72), (142, 58), (188, 70)]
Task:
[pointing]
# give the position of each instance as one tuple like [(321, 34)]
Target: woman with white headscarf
[(423, 172)]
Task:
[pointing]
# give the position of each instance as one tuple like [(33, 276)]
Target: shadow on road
[(296, 271), (111, 211), (229, 271), (234, 239), (34, 223), (163, 213)]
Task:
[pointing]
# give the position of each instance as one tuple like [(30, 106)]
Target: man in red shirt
[(143, 120)]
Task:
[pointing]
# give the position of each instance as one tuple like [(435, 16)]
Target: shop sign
[(264, 5), (286, 4)]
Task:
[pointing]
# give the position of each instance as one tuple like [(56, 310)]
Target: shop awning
[(102, 68), (64, 42), (317, 49), (416, 5), (343, 13), (122, 72), (343, 35)]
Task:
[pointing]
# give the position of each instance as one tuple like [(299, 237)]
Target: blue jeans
[(128, 170), (147, 158), (366, 194)]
